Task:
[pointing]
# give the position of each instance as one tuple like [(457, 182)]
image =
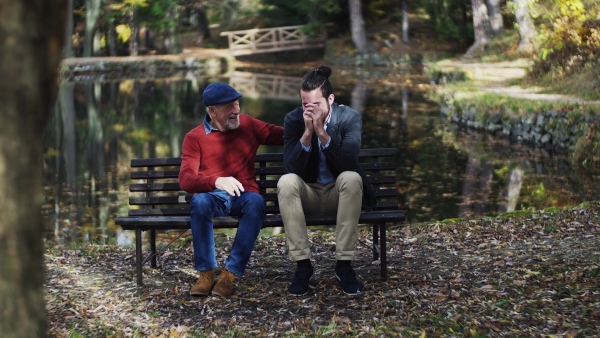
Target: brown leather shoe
[(224, 286), (204, 283)]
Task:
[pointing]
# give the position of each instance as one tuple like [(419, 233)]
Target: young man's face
[(226, 116), (315, 99)]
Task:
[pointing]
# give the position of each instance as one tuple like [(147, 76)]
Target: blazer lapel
[(332, 127)]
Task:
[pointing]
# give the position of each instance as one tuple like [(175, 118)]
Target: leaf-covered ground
[(514, 275)]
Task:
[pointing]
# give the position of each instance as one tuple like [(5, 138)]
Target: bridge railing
[(274, 39), (265, 86)]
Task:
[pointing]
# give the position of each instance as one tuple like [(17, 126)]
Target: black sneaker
[(347, 277), (299, 285)]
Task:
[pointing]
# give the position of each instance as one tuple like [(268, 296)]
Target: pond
[(100, 124)]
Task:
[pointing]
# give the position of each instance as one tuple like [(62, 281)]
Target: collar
[(207, 126), (328, 117)]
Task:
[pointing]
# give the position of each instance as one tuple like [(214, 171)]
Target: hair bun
[(324, 70)]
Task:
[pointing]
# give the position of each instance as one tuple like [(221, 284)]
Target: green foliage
[(156, 14), (562, 27), (313, 13), (450, 19), (118, 10), (439, 76), (569, 33)]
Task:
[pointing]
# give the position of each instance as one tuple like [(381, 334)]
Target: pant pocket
[(222, 202)]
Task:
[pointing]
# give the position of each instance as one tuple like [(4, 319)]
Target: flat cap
[(219, 93)]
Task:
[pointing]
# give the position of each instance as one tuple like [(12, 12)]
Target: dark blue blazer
[(344, 128)]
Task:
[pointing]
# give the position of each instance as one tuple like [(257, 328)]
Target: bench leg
[(153, 248), (138, 256), (375, 241), (383, 248)]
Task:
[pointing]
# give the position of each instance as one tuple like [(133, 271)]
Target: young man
[(218, 166), (321, 146)]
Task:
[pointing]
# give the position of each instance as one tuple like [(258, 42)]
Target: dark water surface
[(99, 125)]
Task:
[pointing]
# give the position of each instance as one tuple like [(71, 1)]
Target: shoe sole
[(220, 295), (301, 294), (199, 294), (349, 294)]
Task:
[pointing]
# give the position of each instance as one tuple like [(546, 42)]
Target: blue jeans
[(249, 207)]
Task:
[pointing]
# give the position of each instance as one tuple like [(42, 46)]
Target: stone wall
[(558, 130)]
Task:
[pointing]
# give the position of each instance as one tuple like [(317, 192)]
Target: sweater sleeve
[(191, 159), (272, 134)]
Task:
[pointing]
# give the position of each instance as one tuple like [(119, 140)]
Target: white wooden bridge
[(276, 39), (266, 86)]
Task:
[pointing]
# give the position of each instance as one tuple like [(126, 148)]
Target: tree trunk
[(495, 15), (69, 131), (405, 38), (97, 51), (173, 41), (485, 187), (134, 40), (469, 188), (31, 39), (357, 26), (481, 23), (525, 25), (203, 29), (512, 190), (359, 95), (112, 38), (92, 13), (68, 46)]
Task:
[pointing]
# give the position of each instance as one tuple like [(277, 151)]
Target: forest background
[(561, 37)]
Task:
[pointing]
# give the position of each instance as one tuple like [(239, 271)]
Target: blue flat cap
[(218, 93)]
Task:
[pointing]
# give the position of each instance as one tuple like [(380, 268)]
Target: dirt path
[(497, 78)]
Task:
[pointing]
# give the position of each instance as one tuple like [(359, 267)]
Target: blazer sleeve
[(342, 152), (295, 158)]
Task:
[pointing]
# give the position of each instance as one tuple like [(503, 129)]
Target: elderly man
[(218, 167)]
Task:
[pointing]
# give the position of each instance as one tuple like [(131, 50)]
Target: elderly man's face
[(225, 116)]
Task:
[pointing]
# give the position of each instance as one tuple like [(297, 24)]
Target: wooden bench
[(159, 204)]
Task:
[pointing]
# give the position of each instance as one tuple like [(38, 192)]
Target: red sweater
[(221, 154)]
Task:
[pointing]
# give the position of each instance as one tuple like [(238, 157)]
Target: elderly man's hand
[(229, 184)]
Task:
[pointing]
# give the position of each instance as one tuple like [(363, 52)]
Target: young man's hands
[(314, 122)]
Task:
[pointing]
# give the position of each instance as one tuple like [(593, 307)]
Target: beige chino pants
[(343, 198)]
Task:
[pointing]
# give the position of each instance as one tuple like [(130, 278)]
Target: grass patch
[(502, 47), (469, 93), (584, 82)]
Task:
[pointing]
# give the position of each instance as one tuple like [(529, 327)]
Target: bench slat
[(264, 157), (155, 186), (183, 222), (278, 170), (136, 175), (186, 198), (270, 209), (158, 200), (155, 162), (272, 183), (273, 170)]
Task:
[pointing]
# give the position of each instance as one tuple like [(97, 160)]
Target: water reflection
[(99, 125)]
